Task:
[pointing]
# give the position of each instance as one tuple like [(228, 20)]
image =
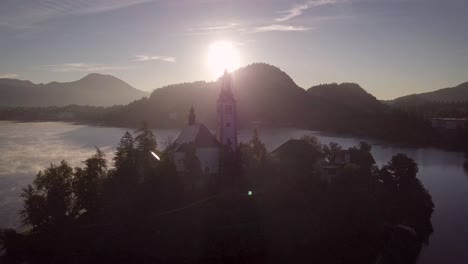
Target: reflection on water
[(25, 148)]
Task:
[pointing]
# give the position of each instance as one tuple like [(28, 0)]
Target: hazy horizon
[(390, 48)]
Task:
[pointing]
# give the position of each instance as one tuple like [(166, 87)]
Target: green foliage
[(331, 150), (402, 168), (404, 196), (87, 183), (35, 207), (125, 152), (145, 140), (49, 201), (147, 221), (364, 146)]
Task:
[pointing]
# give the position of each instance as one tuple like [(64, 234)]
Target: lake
[(26, 148)]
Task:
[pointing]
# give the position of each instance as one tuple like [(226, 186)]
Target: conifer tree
[(124, 158)]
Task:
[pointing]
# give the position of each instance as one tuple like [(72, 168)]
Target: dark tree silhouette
[(331, 150), (88, 181), (49, 201)]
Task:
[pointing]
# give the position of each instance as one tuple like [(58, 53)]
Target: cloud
[(246, 29), (276, 27), (83, 67), (223, 27), (28, 14), (299, 9), (226, 28), (151, 58), (8, 75)]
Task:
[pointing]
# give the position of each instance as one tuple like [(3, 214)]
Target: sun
[(222, 55)]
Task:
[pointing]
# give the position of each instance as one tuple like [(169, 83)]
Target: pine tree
[(145, 140), (145, 143), (125, 153)]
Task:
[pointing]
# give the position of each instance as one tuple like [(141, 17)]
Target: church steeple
[(191, 117), (226, 125), (226, 83)]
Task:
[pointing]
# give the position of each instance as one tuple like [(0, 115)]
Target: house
[(334, 168), (197, 139), (448, 123), (360, 159), (297, 157)]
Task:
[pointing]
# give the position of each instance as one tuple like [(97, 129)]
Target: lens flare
[(154, 155)]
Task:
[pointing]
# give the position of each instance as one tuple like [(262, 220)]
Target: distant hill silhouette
[(265, 95), (94, 89), (268, 96), (457, 94), (348, 94)]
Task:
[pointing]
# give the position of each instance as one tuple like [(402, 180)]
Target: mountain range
[(457, 94), (94, 89), (265, 95)]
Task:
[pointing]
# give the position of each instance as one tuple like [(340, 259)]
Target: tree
[(145, 143), (331, 150), (49, 201), (402, 167), (364, 146), (145, 140), (258, 148), (411, 203), (35, 207), (125, 152), (87, 183)]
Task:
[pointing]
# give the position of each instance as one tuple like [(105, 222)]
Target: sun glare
[(222, 55)]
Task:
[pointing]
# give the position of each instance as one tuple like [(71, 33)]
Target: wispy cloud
[(83, 67), (151, 58), (277, 27), (299, 9), (8, 75), (222, 27), (246, 29), (34, 12)]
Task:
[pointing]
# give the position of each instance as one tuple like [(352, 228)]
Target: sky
[(390, 47)]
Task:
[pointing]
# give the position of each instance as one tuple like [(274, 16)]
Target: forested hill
[(265, 96), (457, 94), (268, 96), (94, 89)]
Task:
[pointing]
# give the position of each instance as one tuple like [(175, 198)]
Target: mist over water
[(26, 148)]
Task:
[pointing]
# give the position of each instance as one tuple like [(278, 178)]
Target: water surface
[(26, 148)]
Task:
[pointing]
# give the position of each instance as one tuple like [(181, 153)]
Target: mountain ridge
[(457, 93), (93, 89)]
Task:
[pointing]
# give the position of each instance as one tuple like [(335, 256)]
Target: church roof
[(292, 148), (197, 134)]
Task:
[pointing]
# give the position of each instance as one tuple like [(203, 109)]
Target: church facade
[(196, 139)]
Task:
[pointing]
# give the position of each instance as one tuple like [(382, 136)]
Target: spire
[(191, 118), (226, 84)]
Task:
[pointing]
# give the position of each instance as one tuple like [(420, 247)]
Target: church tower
[(226, 123)]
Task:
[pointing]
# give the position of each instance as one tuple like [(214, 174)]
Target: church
[(197, 137)]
